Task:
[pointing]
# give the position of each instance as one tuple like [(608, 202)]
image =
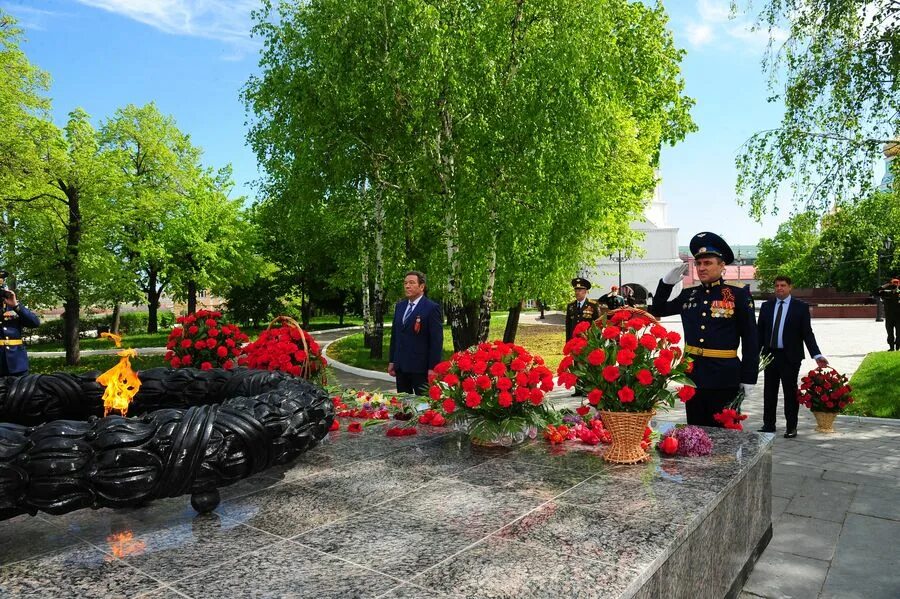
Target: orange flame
[(123, 544), (122, 384)]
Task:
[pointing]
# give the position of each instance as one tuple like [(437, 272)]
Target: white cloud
[(715, 23), (224, 20), (30, 18)]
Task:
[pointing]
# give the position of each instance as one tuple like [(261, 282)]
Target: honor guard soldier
[(890, 297), (717, 317), (14, 359), (613, 300), (582, 309)]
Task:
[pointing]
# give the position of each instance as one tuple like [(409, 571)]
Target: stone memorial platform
[(365, 515)]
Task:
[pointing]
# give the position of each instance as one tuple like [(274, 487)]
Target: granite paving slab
[(475, 510), (504, 568), (289, 509), (866, 559), (287, 570), (444, 456), (387, 540), (656, 499), (782, 575), (881, 502), (25, 536), (369, 482), (826, 500), (523, 477), (807, 537), (618, 540), (80, 570)]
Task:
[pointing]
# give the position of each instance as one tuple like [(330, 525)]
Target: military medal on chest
[(723, 308)]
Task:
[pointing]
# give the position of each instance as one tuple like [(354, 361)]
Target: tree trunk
[(153, 302), (512, 323), (116, 319), (71, 292), (376, 349), (366, 297), (191, 296), (541, 306), (487, 298)]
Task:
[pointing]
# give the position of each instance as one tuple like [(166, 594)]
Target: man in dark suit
[(784, 327), (417, 337), (14, 358), (890, 297)]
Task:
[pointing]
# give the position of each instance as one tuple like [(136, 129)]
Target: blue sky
[(193, 56)]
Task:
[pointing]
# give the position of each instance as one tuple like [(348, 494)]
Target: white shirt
[(784, 311)]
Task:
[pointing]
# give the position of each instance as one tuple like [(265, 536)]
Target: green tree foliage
[(792, 252), (838, 250), (837, 74), (498, 146)]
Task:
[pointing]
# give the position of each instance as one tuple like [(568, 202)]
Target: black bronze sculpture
[(200, 430)]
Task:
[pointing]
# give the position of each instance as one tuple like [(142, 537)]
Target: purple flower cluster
[(692, 441)]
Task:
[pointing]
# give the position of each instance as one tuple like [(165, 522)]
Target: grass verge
[(544, 340), (875, 388), (89, 363)]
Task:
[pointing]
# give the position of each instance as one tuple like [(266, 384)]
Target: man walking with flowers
[(417, 337), (717, 318)]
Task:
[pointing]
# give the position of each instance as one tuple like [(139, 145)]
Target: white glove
[(676, 274)]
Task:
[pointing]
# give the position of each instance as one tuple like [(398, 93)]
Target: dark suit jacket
[(15, 356), (420, 351), (797, 329)]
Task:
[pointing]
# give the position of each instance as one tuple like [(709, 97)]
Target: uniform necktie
[(409, 310), (580, 305), (774, 343)]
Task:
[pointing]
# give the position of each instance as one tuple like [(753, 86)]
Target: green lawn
[(101, 363), (876, 391), (546, 341), (316, 323)]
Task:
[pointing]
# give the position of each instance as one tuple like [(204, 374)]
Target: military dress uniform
[(14, 360), (589, 311), (717, 317), (890, 297)]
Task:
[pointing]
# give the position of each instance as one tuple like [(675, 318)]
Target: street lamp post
[(879, 303), (619, 258)]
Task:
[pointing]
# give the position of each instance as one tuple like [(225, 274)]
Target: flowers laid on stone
[(588, 432), (626, 365), (367, 409), (825, 390), (202, 340), (685, 440), (496, 390), (288, 348)]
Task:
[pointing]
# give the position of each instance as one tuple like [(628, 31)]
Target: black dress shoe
[(765, 430), (790, 434)]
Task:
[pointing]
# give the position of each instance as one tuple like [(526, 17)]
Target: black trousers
[(412, 382), (892, 324), (781, 372), (708, 402)]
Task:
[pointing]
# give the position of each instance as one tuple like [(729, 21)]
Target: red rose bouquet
[(288, 348), (496, 390), (627, 365), (824, 390), (203, 341)]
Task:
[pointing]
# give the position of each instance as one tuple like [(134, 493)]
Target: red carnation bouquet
[(626, 365), (496, 390), (825, 390), (288, 348), (203, 341)]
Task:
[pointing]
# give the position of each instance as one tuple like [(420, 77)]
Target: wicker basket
[(824, 421), (627, 432), (306, 366)]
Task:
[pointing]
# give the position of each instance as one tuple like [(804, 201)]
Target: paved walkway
[(835, 497)]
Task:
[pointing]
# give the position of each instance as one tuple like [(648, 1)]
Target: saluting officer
[(717, 317), (890, 296), (14, 360), (582, 309)]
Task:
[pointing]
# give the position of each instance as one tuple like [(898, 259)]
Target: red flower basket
[(286, 347), (495, 390), (826, 392), (203, 341)]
